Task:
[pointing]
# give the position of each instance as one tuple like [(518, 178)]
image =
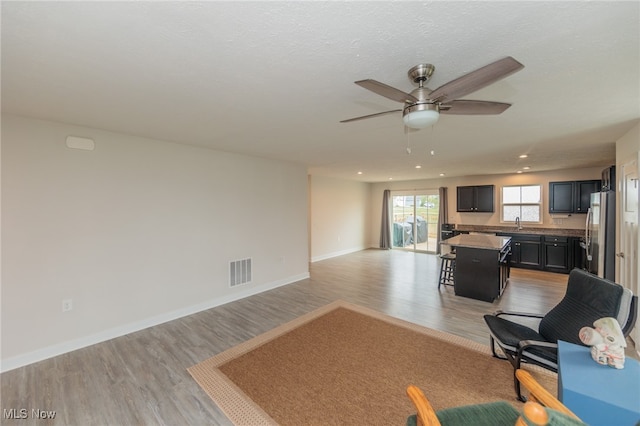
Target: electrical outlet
[(67, 305)]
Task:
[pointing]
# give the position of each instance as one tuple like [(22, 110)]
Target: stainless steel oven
[(447, 230)]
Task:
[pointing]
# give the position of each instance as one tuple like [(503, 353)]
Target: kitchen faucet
[(518, 225)]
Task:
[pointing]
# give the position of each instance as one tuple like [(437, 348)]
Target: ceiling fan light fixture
[(420, 116)]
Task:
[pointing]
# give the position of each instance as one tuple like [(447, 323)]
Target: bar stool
[(447, 269)]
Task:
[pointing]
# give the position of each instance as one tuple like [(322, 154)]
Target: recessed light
[(433, 152), (519, 171), (359, 173), (524, 156), (418, 166), (526, 167), (390, 178), (441, 174)]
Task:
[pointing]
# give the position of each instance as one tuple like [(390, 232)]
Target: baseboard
[(337, 253), (72, 345)]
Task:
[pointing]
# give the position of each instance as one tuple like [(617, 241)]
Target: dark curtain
[(443, 214), (385, 227)]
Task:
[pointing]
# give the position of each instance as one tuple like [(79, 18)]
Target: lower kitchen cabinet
[(526, 251), (481, 273), (545, 252), (557, 256)]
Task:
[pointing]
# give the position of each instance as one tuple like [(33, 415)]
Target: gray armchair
[(587, 299)]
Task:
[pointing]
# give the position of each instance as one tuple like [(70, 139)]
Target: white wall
[(136, 232), (339, 216), (628, 150), (576, 221)]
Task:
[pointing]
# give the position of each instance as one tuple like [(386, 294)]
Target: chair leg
[(516, 384), (515, 363), (516, 366), (447, 267), (493, 346), (493, 349)]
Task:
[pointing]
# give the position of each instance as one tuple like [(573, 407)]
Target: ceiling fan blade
[(467, 107), (369, 116), (476, 80), (387, 91)]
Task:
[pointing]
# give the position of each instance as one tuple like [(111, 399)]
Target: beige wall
[(136, 232), (339, 216), (576, 221), (628, 146)]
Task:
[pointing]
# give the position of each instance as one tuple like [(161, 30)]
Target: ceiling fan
[(422, 107)]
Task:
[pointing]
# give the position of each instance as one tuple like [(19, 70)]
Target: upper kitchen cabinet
[(571, 196), (477, 199), (561, 197), (584, 189)]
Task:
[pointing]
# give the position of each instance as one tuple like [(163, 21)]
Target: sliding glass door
[(415, 220)]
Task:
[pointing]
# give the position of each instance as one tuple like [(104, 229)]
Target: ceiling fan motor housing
[(421, 73), (421, 106)]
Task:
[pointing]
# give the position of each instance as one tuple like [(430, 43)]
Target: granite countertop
[(487, 242), (526, 230)]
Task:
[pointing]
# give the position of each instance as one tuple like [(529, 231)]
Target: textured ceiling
[(273, 79)]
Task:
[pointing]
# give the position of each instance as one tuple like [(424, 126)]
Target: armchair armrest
[(426, 413), (524, 344), (540, 394), (500, 313)]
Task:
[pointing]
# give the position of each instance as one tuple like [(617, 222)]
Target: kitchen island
[(482, 265)]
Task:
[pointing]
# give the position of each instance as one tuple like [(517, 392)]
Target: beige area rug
[(346, 364)]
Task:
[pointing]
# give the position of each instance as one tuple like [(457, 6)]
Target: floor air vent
[(239, 272)]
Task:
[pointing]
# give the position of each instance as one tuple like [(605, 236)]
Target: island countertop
[(488, 242)]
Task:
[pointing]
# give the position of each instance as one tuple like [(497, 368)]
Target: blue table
[(598, 394)]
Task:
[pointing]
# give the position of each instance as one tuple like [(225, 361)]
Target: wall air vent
[(239, 272)]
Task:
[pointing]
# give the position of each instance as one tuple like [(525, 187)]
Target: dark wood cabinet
[(557, 256), (481, 274), (571, 196), (561, 197), (551, 253), (526, 251), (584, 189), (484, 198), (476, 199), (466, 198)]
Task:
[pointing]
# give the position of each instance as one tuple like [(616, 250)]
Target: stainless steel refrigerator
[(600, 235)]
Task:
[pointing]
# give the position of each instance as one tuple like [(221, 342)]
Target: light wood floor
[(141, 378)]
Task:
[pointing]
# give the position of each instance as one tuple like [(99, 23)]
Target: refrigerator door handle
[(587, 235)]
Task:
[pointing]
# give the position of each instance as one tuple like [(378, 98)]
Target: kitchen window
[(523, 201)]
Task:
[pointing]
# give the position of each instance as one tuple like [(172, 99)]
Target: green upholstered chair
[(542, 409)]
